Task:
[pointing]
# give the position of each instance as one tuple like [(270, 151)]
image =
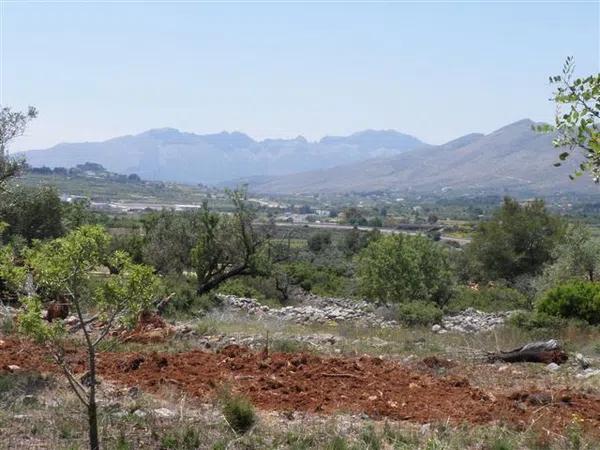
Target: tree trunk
[(536, 352), (214, 282), (92, 410), (93, 424)]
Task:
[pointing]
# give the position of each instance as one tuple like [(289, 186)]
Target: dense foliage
[(575, 299), (517, 240), (402, 268)]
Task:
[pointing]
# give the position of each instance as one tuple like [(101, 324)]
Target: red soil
[(290, 382)]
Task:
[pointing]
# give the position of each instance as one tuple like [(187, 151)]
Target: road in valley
[(335, 226)]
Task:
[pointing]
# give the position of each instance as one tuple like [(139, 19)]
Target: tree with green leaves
[(168, 238), (12, 274), (517, 240), (403, 268), (577, 256), (577, 121), (32, 213), (12, 125), (63, 267), (229, 245)]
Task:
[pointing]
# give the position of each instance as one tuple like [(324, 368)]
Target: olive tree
[(577, 121), (65, 266), (577, 256), (12, 125), (229, 245)]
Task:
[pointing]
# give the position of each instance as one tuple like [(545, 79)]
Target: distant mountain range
[(513, 159), (171, 155)]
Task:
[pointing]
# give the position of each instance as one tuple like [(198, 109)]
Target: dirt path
[(289, 382)]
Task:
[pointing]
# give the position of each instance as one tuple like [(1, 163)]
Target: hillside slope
[(511, 159)]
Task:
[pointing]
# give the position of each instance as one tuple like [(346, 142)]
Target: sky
[(436, 70)]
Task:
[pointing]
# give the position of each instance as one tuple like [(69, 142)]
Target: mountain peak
[(161, 132), (518, 125)]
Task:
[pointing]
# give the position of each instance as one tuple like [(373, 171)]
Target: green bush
[(239, 288), (239, 412), (574, 299), (186, 438), (262, 289), (402, 268), (417, 313), (530, 321), (493, 298), (185, 299), (321, 280)]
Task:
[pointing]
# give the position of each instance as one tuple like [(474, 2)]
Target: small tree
[(12, 125), (517, 240), (12, 275), (229, 245), (579, 125), (403, 268), (576, 257), (63, 267)]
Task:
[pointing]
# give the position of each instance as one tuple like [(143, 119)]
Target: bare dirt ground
[(430, 390)]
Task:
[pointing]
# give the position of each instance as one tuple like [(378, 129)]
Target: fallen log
[(545, 352)]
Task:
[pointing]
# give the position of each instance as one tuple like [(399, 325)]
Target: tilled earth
[(305, 382)]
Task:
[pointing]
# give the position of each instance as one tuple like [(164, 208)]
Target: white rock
[(164, 413), (552, 367), (588, 373), (436, 328)]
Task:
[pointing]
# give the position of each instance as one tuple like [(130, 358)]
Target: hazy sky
[(96, 70)]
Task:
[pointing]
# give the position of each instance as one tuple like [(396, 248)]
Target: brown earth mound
[(378, 387)]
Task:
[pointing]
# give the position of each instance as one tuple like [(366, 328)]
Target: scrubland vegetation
[(86, 284)]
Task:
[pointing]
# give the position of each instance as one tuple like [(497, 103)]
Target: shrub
[(322, 280), (186, 299), (239, 412), (238, 288), (417, 313), (528, 320), (319, 241), (574, 299), (187, 438), (262, 289), (493, 298), (403, 268)]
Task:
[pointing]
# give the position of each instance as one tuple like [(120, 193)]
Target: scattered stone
[(552, 367), (13, 368), (316, 309), (313, 309), (133, 392), (165, 413), (583, 362), (588, 373), (472, 321), (139, 413)]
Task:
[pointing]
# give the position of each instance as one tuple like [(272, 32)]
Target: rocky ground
[(320, 361), (315, 309)]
